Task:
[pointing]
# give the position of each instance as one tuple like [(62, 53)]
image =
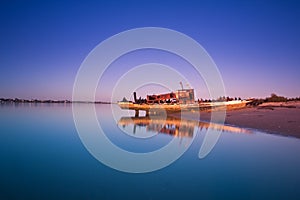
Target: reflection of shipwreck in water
[(175, 126)]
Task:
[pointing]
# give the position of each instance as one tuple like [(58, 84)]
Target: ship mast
[(181, 85)]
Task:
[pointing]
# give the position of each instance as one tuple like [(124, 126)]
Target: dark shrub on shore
[(275, 98)]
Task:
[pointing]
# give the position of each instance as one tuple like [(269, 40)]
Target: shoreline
[(274, 118)]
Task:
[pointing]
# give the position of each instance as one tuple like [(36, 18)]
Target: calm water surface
[(43, 157)]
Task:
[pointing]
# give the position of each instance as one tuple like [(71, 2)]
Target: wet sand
[(277, 118)]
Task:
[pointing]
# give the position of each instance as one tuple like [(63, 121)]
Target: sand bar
[(277, 118)]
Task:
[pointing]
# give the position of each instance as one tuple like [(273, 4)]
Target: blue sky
[(255, 44)]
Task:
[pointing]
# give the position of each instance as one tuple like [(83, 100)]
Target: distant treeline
[(220, 99), (274, 98), (16, 100)]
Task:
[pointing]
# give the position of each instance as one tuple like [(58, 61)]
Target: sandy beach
[(278, 118)]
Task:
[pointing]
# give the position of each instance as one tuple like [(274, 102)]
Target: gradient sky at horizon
[(255, 44)]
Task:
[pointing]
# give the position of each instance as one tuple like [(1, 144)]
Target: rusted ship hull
[(171, 108)]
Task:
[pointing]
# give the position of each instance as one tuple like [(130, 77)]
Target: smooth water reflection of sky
[(43, 157)]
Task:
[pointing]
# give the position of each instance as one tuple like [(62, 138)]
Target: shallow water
[(43, 156)]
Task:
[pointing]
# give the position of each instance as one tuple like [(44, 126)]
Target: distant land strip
[(16, 100)]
